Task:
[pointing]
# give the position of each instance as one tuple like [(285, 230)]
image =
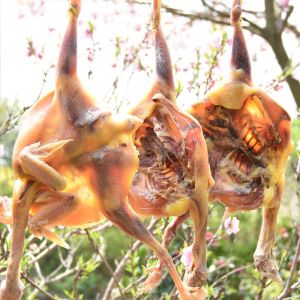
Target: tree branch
[(122, 263), (270, 17), (293, 29), (262, 284), (287, 289), (119, 270), (102, 257), (285, 20), (37, 287), (225, 277)]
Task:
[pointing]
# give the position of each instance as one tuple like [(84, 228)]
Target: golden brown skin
[(173, 175), (248, 139)]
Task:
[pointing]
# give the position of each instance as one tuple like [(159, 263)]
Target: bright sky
[(44, 23)]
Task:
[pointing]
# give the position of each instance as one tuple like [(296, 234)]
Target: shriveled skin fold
[(248, 139), (165, 181), (173, 177)]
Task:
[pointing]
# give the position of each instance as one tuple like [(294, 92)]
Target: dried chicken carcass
[(67, 157), (248, 139), (173, 177), (73, 163)]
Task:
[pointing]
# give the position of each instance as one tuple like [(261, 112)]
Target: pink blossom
[(220, 262), (88, 33), (91, 54), (283, 232), (33, 51), (138, 27), (211, 84), (187, 256), (209, 235), (90, 30), (277, 87), (5, 205), (132, 10), (30, 48), (94, 15), (284, 3), (232, 225)]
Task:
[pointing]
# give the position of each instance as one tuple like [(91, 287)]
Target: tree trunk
[(273, 35)]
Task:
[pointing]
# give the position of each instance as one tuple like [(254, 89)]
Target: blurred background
[(115, 60)]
